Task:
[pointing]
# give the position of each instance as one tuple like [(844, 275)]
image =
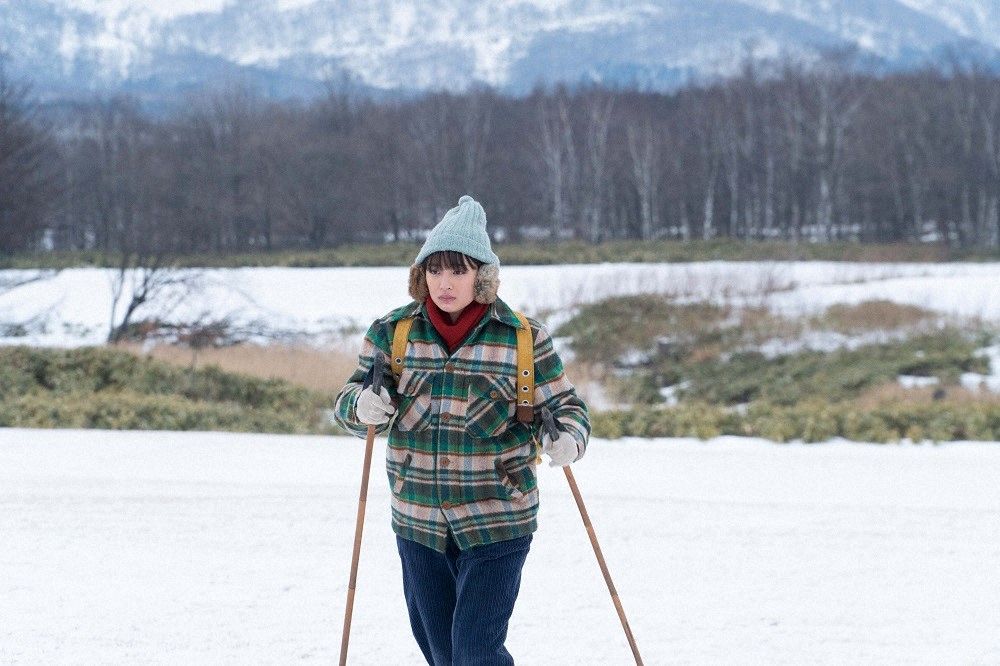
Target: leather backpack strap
[(525, 363), (525, 371), (399, 339)]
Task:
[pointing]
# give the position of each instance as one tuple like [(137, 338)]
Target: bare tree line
[(783, 151), (28, 166)]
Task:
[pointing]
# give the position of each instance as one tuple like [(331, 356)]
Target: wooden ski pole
[(548, 422), (374, 379)]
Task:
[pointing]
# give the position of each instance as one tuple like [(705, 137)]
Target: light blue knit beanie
[(462, 229)]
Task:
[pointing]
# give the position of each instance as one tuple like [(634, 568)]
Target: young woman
[(461, 464)]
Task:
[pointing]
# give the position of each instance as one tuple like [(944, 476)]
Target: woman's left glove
[(562, 450), (374, 409)]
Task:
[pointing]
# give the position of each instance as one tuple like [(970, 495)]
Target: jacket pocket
[(491, 405), (398, 471), (508, 481), (414, 393)]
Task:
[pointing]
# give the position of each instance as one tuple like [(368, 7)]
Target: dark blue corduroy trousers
[(460, 602)]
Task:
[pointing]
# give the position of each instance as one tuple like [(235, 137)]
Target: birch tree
[(27, 173), (598, 108), (644, 150), (558, 156)]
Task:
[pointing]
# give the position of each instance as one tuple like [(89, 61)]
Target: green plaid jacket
[(458, 461)]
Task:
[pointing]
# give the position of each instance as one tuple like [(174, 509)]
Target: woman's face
[(451, 288)]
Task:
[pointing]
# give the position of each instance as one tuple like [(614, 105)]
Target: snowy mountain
[(289, 47)]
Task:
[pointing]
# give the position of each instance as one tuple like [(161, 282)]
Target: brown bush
[(874, 315), (318, 369)]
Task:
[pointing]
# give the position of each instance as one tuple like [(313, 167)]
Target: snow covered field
[(73, 307), (205, 548), (125, 548)]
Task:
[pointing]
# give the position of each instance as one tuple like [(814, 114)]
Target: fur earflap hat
[(462, 229)]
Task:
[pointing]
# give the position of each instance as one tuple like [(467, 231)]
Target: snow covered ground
[(74, 307), (124, 548)]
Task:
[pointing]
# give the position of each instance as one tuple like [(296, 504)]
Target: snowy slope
[(217, 549), (288, 45), (975, 19)]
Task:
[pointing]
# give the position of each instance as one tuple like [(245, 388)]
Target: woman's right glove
[(374, 409), (562, 450)]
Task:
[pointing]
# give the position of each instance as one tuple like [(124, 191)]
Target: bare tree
[(837, 99), (910, 176), (394, 195), (449, 135), (644, 154), (557, 152), (27, 173), (733, 144), (127, 204), (229, 169), (784, 150), (145, 281), (704, 116), (990, 119), (598, 107), (969, 98), (476, 123)]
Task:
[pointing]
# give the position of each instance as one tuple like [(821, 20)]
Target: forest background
[(784, 161), (784, 151)]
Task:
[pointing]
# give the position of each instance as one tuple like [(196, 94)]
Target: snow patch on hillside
[(158, 8)]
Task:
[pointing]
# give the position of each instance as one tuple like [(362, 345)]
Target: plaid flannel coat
[(458, 461)]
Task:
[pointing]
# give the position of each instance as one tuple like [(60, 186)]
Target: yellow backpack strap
[(399, 339), (525, 371)]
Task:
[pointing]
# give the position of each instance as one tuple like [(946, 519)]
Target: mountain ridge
[(292, 48)]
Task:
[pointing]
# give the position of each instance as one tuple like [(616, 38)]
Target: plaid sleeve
[(554, 390), (377, 338)]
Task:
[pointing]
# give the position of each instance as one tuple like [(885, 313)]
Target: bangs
[(451, 260)]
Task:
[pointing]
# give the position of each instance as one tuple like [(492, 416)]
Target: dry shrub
[(897, 252), (591, 381), (319, 369), (705, 352), (579, 371), (895, 394), (760, 324), (874, 315)]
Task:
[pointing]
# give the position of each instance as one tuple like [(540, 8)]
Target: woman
[(460, 463)]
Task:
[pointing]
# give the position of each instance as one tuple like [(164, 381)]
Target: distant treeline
[(783, 151)]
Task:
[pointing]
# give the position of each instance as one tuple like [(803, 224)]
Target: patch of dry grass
[(322, 369), (895, 394), (760, 324), (590, 381), (319, 369), (874, 315)]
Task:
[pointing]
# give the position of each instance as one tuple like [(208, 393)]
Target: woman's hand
[(374, 409), (562, 450)]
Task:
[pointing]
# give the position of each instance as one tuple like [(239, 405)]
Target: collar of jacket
[(498, 310)]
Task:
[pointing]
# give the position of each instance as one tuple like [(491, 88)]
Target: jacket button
[(446, 505), (446, 417), (445, 462), (449, 367), (494, 395)]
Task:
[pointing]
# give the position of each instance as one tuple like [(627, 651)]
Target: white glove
[(374, 409), (562, 450)]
